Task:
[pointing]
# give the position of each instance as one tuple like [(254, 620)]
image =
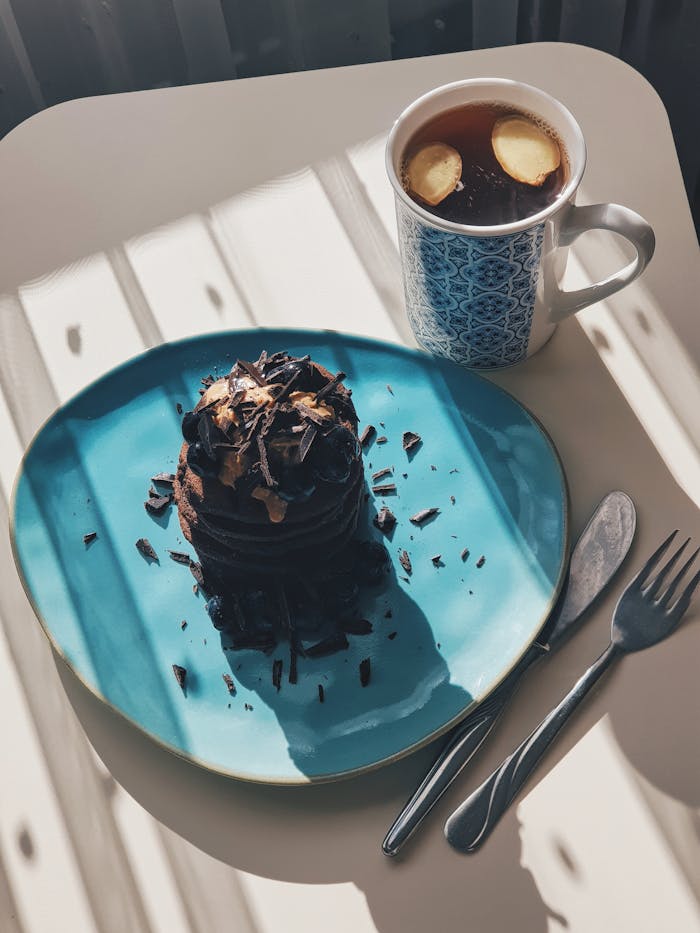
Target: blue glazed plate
[(116, 618)]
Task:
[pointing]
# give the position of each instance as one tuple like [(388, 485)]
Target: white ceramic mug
[(490, 296)]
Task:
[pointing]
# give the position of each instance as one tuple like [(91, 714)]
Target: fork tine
[(655, 585), (665, 598), (641, 577), (683, 601)]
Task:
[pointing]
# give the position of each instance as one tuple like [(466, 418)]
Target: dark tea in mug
[(484, 164)]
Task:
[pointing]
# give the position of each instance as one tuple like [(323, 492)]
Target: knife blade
[(596, 557)]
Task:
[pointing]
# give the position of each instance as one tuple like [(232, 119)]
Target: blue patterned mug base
[(470, 299)]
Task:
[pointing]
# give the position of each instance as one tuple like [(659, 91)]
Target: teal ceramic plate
[(460, 627)]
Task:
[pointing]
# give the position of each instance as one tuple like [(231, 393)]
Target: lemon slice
[(433, 172), (524, 151)]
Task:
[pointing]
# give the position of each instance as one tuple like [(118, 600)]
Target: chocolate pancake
[(269, 480)]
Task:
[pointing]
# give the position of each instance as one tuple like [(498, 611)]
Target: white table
[(130, 219)]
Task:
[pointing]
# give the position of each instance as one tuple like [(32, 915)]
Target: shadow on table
[(332, 833)]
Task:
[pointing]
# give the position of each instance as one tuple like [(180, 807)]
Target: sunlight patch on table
[(81, 322), (184, 279), (36, 847), (294, 261), (594, 850)]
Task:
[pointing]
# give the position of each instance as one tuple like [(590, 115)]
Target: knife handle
[(474, 820), (462, 745)]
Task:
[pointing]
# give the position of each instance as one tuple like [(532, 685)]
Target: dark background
[(56, 50)]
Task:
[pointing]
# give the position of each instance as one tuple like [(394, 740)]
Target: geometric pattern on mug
[(470, 298)]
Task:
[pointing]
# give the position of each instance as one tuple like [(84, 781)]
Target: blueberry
[(372, 561), (288, 370), (198, 461), (333, 456), (217, 609), (190, 424), (296, 486)]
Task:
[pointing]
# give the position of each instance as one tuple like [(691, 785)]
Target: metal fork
[(645, 614)]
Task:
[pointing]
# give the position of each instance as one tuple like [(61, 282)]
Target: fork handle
[(472, 822)]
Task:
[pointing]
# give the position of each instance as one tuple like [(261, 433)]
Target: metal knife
[(598, 554)]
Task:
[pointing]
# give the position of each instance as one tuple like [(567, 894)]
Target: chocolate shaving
[(452, 500), (180, 675), (208, 381), (405, 562), (420, 517), (433, 467), (90, 536), (481, 561), (388, 614), (385, 490), (385, 472), (287, 387), (390, 390), (365, 667), (236, 398), (357, 627), (312, 415), (277, 674), (382, 439), (392, 635), (183, 624), (335, 642), (367, 434), (157, 504), (208, 434), (384, 520), (306, 441), (230, 686), (179, 557), (196, 571), (329, 386), (465, 553), (437, 560), (321, 694), (410, 440), (167, 478), (285, 617), (455, 470), (153, 493), (253, 372), (179, 409), (264, 465), (144, 547)]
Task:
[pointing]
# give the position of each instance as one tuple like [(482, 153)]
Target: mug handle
[(611, 217)]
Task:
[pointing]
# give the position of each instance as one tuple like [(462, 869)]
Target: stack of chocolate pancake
[(269, 480)]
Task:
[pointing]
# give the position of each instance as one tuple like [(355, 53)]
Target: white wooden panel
[(597, 858), (81, 322), (307, 908), (293, 259), (10, 448), (367, 159), (152, 876), (38, 855), (184, 279)]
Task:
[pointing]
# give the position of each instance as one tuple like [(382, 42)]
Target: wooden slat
[(38, 870), (321, 270), (10, 919), (364, 228)]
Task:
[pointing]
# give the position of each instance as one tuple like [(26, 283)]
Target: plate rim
[(299, 780)]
